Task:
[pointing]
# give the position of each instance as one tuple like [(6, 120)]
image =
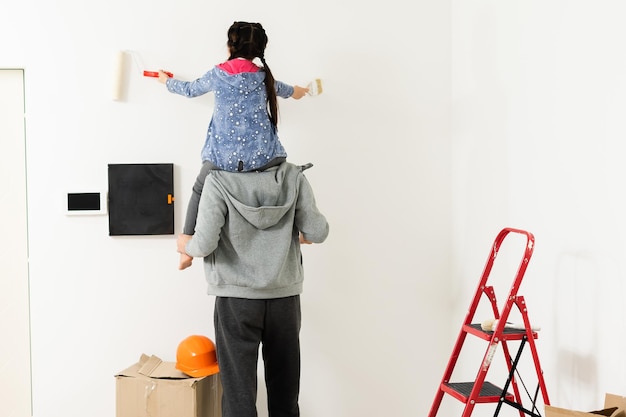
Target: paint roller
[(119, 71)]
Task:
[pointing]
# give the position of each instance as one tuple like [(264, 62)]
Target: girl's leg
[(194, 201), (238, 333), (281, 356), (192, 210)]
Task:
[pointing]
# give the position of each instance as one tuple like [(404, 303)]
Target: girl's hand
[(163, 77), (299, 92)]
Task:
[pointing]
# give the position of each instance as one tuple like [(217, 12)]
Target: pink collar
[(238, 65)]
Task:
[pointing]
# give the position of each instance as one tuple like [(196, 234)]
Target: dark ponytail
[(272, 102), (248, 40)]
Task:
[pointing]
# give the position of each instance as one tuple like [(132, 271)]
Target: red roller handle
[(156, 74)]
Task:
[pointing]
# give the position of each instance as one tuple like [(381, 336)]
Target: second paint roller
[(315, 87)]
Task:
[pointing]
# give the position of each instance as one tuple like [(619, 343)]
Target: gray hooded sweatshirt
[(248, 231)]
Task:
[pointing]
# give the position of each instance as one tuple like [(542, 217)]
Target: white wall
[(375, 303), (538, 98), (537, 92)]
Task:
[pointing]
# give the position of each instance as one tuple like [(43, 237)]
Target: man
[(249, 230)]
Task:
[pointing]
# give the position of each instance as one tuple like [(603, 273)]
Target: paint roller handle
[(158, 74)]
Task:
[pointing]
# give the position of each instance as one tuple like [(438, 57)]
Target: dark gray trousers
[(241, 325)]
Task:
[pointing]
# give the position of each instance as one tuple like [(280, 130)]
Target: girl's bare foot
[(185, 261)]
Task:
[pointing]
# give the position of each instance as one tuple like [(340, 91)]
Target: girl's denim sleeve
[(194, 88), (283, 90)]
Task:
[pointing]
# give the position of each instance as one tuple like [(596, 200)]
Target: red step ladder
[(481, 391)]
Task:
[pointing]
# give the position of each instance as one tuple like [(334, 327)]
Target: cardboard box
[(153, 388), (614, 406)]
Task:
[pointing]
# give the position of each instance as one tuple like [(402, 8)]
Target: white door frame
[(15, 363)]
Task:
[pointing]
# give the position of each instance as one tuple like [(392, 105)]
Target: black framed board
[(141, 199)]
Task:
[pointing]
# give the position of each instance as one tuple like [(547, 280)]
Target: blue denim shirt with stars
[(240, 134)]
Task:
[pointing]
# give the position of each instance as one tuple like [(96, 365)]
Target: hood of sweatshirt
[(244, 81), (261, 198)]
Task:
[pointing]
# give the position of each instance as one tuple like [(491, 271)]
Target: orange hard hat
[(196, 356)]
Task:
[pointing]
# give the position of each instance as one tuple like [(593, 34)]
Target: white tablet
[(86, 203)]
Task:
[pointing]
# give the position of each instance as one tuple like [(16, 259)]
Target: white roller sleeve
[(118, 75)]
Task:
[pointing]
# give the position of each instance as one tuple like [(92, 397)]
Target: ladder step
[(507, 333), (489, 393)]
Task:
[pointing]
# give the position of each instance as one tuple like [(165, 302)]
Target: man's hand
[(182, 242), (304, 241)]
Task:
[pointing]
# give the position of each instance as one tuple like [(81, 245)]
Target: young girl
[(242, 135)]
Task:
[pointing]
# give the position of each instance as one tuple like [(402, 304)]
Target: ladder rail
[(533, 349), (528, 252)]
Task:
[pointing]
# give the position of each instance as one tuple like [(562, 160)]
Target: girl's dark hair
[(248, 40)]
